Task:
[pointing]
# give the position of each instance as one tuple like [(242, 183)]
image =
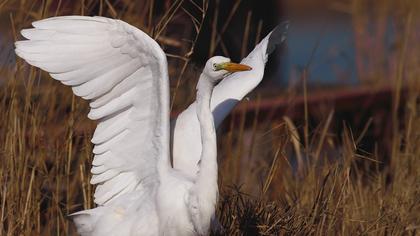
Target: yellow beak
[(233, 67)]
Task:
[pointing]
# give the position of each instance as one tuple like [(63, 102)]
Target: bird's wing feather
[(124, 74)]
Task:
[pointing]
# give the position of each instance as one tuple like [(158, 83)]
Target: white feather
[(114, 120), (100, 159), (85, 52), (143, 78), (91, 70), (107, 175), (107, 146)]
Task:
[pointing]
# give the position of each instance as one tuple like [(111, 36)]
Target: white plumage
[(123, 72)]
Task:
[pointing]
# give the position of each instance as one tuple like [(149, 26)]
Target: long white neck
[(207, 175), (205, 188)]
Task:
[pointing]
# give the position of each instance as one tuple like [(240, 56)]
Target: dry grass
[(337, 188)]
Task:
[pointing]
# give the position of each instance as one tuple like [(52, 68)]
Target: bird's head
[(217, 67)]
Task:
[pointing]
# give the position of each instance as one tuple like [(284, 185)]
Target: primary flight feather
[(123, 72)]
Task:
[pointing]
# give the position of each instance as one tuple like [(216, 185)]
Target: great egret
[(124, 74)]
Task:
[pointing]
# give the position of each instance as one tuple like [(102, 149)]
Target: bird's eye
[(214, 66)]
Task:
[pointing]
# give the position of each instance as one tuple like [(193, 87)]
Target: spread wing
[(123, 72)]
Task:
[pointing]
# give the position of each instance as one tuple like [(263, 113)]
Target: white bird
[(123, 72)]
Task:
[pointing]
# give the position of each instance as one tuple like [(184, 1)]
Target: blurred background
[(328, 143)]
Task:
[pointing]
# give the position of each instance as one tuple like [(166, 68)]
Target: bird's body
[(123, 72)]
